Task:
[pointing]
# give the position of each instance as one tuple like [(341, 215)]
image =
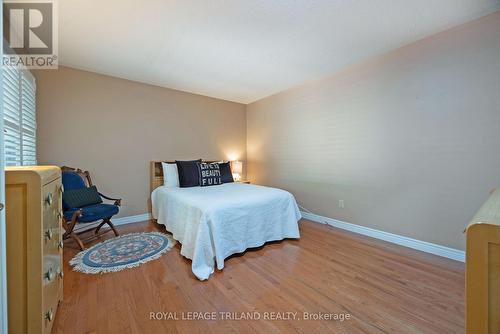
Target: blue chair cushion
[(93, 213), (72, 181)]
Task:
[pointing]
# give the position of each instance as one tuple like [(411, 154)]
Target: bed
[(212, 223)]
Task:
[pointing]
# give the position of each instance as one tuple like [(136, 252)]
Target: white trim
[(3, 248), (420, 245), (131, 219)]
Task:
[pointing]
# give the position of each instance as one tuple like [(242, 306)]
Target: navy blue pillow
[(188, 173), (78, 198), (225, 172)]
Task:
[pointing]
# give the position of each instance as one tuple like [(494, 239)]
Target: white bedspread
[(214, 222)]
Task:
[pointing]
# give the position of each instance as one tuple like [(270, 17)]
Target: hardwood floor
[(383, 287)]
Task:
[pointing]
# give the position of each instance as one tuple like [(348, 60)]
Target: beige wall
[(410, 141), (114, 127)]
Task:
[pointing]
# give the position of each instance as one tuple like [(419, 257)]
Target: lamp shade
[(237, 167)]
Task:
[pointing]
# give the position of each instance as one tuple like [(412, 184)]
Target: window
[(19, 96)]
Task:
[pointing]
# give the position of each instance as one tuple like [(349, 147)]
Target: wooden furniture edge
[(482, 272)]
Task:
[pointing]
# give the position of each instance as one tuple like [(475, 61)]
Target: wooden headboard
[(156, 173)]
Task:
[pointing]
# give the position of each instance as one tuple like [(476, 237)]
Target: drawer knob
[(60, 244), (49, 275), (60, 274), (48, 234), (59, 215), (49, 315), (49, 199), (61, 189)]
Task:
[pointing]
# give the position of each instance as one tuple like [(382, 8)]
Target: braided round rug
[(125, 251)]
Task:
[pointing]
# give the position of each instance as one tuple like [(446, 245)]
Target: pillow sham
[(225, 172), (78, 198), (189, 175), (209, 174), (170, 175)]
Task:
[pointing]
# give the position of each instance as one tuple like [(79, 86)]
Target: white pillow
[(170, 175)]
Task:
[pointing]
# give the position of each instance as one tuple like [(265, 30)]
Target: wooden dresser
[(34, 247), (482, 274)]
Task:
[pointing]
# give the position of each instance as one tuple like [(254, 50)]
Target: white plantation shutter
[(12, 116), (28, 119), (19, 117)]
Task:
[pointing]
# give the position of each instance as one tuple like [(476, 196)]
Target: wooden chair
[(72, 179)]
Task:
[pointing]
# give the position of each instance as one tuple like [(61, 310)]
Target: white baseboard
[(420, 245), (131, 219)]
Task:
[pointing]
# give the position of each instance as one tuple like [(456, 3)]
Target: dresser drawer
[(54, 244), (52, 281), (52, 213)]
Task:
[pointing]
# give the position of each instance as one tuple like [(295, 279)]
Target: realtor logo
[(30, 33)]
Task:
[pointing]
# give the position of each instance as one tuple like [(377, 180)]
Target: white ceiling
[(244, 50)]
